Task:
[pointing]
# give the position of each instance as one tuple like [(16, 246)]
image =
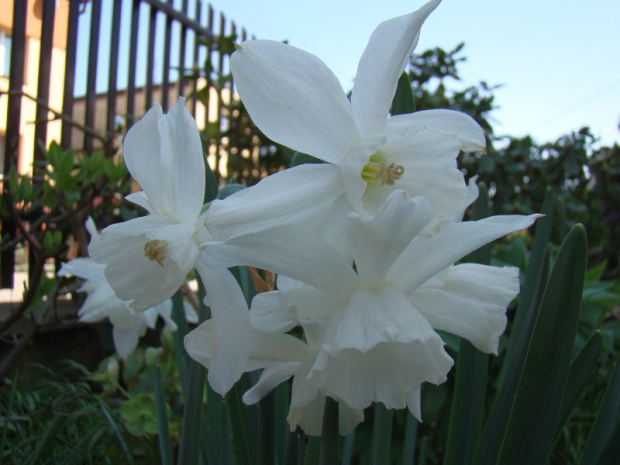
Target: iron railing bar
[(70, 61), (91, 80), (113, 72), (44, 74)]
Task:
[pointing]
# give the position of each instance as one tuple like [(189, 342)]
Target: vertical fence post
[(11, 155)]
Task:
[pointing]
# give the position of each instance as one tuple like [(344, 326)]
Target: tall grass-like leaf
[(471, 373), (216, 440), (243, 422), (178, 316), (381, 434), (606, 421), (531, 429), (329, 452), (403, 101), (580, 371), (266, 430), (165, 447), (530, 297), (610, 454), (411, 434), (117, 433), (347, 448)]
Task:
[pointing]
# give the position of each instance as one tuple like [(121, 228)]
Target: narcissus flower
[(380, 315), (148, 258), (296, 100), (102, 302)]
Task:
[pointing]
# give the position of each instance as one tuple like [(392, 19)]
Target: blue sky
[(558, 61)]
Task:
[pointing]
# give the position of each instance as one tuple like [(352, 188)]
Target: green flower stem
[(329, 434)]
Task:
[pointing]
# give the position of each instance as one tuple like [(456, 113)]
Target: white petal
[(387, 373), (295, 191), (310, 417), (125, 341), (427, 256), (133, 276), (470, 302), (269, 379), (382, 63), (448, 122), (378, 241), (292, 252), (85, 268), (232, 330), (164, 154), (429, 162), (373, 316), (140, 199), (295, 99)]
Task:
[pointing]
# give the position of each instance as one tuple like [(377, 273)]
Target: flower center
[(156, 251), (375, 172)]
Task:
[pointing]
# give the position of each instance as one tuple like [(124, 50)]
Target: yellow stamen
[(386, 174), (156, 251)]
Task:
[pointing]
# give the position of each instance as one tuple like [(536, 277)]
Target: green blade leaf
[(403, 101), (531, 429), (467, 405), (605, 422), (530, 297), (580, 371), (381, 434)]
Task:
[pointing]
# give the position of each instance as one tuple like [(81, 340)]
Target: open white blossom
[(296, 100), (101, 303), (380, 316), (148, 258)]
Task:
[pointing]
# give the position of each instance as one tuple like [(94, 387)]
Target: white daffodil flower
[(148, 258), (379, 343), (280, 356), (101, 303), (296, 100)]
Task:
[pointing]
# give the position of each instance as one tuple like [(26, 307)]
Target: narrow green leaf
[(381, 434), (497, 420), (467, 405), (537, 260), (243, 422), (481, 210), (165, 448), (189, 446), (411, 433), (282, 428), (300, 158), (266, 430), (178, 316), (190, 441), (531, 428), (580, 371), (403, 101), (117, 433), (216, 440), (610, 455), (329, 452), (347, 448), (605, 422)]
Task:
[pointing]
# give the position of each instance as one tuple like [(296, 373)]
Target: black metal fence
[(121, 56)]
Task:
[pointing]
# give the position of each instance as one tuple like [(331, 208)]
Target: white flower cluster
[(364, 245)]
